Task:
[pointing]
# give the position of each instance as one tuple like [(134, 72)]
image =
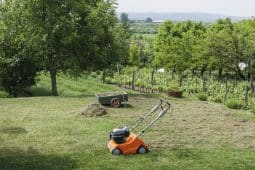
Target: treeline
[(77, 36), (144, 27), (223, 47), (69, 36)]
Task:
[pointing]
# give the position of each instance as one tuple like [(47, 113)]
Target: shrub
[(234, 104), (3, 94), (253, 108), (17, 75), (173, 87), (217, 100), (202, 97), (174, 90), (93, 74)]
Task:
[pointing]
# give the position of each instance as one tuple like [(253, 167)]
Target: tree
[(124, 18), (72, 36), (176, 45), (134, 57), (16, 75), (245, 47), (17, 67), (148, 20), (145, 49), (223, 47), (122, 42)]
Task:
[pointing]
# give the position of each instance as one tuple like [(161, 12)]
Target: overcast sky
[(226, 7)]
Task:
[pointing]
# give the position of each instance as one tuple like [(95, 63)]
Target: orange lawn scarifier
[(124, 142)]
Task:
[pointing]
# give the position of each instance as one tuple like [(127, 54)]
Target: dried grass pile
[(93, 110)]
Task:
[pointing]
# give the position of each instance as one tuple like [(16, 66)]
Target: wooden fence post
[(225, 96), (204, 84), (246, 96), (226, 89), (133, 80), (152, 77), (251, 82)]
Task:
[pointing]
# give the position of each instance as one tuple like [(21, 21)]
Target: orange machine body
[(131, 146)]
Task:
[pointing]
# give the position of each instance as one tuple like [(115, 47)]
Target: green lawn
[(49, 133)]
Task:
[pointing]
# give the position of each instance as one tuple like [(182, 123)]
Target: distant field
[(49, 133), (150, 36), (144, 28)]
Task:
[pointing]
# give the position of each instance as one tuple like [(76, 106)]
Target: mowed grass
[(49, 133)]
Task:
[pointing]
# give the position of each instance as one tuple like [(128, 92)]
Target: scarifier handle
[(161, 114), (155, 108), (141, 119)]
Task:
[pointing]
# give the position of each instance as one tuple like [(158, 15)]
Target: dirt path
[(195, 123)]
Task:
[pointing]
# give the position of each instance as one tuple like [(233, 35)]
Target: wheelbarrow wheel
[(115, 103), (116, 151)]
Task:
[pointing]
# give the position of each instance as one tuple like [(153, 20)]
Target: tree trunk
[(15, 93), (53, 76), (152, 76), (210, 73), (202, 71), (239, 72), (103, 76), (220, 73), (173, 72)]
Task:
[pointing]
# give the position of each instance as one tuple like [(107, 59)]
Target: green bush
[(17, 74), (173, 87), (234, 104), (252, 108), (217, 100), (93, 75), (3, 94), (202, 97)]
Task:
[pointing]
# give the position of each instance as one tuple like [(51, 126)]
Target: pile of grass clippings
[(93, 110)]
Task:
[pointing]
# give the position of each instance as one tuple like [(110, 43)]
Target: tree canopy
[(221, 46), (63, 36)]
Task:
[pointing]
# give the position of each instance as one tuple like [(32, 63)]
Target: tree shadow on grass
[(39, 91), (126, 105), (13, 130), (14, 158)]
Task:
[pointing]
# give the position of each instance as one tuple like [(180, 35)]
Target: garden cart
[(112, 98), (124, 141)]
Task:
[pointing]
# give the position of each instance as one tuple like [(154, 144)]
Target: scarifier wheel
[(142, 150), (116, 151), (116, 103)]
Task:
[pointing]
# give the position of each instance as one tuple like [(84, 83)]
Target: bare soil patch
[(193, 123)]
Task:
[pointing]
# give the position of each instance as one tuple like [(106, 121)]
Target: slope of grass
[(70, 87), (48, 133), (67, 86)]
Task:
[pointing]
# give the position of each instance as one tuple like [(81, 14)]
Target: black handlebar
[(162, 100)]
